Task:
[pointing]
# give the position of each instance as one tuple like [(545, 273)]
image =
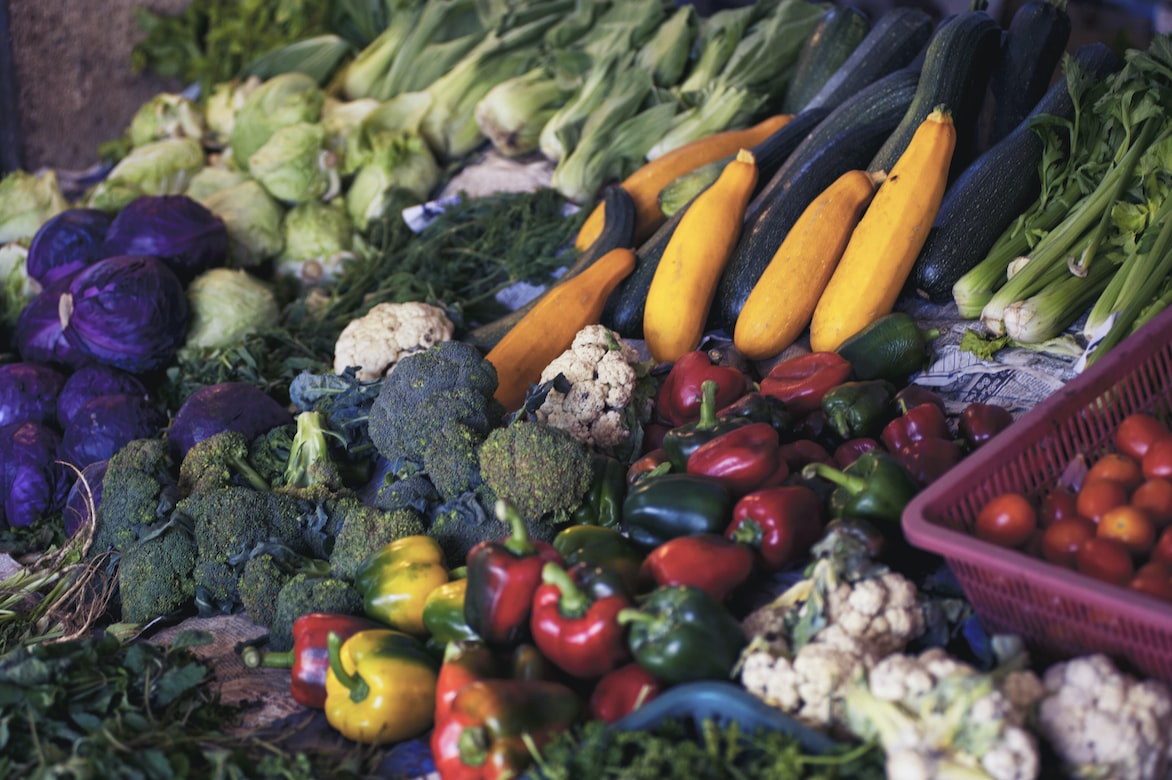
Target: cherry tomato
[(1129, 525), (1162, 550), (1157, 460), (1058, 503), (1007, 520), (1105, 559), (1097, 496), (1136, 433), (1155, 569), (1154, 579), (1154, 496), (1063, 537), (1119, 467)]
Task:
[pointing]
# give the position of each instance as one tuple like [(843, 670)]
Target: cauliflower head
[(1103, 722), (386, 334), (882, 611), (601, 373)]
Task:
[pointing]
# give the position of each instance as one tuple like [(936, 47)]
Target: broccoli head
[(541, 470), (451, 460), (446, 383), (228, 523), (265, 574), (365, 529), (219, 461), (138, 490), (154, 575), (415, 492), (304, 594)]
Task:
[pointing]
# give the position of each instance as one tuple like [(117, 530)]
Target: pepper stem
[(573, 602), (748, 532), (472, 745), (354, 682), (708, 390), (633, 615), (518, 542), (252, 657), (849, 482)]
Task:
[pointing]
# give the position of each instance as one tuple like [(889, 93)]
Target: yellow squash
[(685, 280), (549, 328), (782, 301), (884, 245), (645, 183)]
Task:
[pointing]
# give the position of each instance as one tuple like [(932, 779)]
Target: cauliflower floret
[(388, 333), (770, 678), (1102, 722), (603, 375), (884, 611)]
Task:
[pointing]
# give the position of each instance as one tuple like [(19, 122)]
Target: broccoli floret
[(541, 470), (447, 383), (304, 594), (219, 461), (269, 453), (415, 492), (154, 575), (228, 523), (138, 490), (452, 460), (215, 586), (265, 574), (365, 529)]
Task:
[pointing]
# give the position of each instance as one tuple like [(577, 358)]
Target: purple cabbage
[(67, 243), (180, 231), (29, 392), (128, 312), (227, 406), (85, 492), (38, 336), (32, 482), (105, 424), (89, 382)]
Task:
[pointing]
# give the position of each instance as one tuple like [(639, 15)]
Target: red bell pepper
[(849, 451), (710, 562), (502, 578), (923, 421), (925, 460), (780, 523), (742, 459), (802, 451), (755, 406), (575, 629), (914, 395), (979, 422), (800, 382), (464, 662), (622, 691), (678, 401), (653, 461), (309, 660)]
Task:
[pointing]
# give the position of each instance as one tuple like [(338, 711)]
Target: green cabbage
[(294, 166), (279, 102), (226, 305), (254, 221), (26, 201)]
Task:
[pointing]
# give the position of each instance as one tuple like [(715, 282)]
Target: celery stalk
[(1057, 305)]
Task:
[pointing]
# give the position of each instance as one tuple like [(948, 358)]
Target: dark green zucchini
[(958, 63), (618, 230), (1034, 44), (892, 43), (838, 32), (994, 190), (623, 311), (770, 154), (848, 138)]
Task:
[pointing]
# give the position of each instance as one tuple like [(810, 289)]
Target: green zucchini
[(770, 154), (618, 230), (847, 138), (623, 311), (995, 189), (892, 43), (1034, 44), (958, 63), (838, 32), (892, 347)]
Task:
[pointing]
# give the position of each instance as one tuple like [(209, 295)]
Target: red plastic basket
[(1058, 612)]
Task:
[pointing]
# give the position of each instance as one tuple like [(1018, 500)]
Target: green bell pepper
[(680, 633), (603, 503), (669, 505), (856, 409), (680, 442), (874, 487), (605, 547)]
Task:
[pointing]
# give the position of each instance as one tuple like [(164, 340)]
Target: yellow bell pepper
[(396, 580), (380, 686)]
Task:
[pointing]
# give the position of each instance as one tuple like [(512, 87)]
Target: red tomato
[(1105, 559), (1136, 433), (1155, 582), (1154, 496), (1162, 550), (1007, 520), (1057, 503), (1095, 497), (1129, 525), (1119, 467), (1063, 537), (1157, 460)]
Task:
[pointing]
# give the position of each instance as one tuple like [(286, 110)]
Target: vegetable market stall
[(566, 400)]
